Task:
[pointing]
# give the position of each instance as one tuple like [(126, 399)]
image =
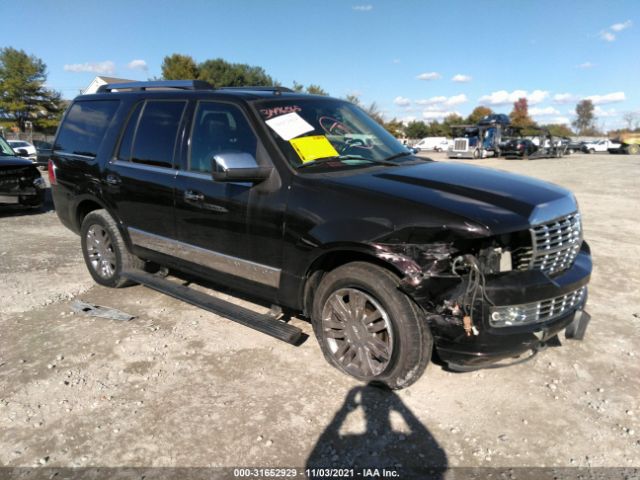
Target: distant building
[(99, 81)]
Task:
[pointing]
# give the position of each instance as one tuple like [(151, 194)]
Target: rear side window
[(155, 138), (84, 127), (124, 151)]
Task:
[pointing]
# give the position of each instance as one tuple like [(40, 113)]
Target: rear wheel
[(633, 149), (104, 250), (368, 328)]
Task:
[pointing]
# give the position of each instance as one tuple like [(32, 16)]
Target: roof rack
[(157, 84), (275, 89)]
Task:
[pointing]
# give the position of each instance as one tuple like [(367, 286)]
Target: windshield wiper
[(344, 157), (397, 155)]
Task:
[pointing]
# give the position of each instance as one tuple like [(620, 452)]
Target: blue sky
[(403, 55)]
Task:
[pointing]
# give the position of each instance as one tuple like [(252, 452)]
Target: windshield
[(5, 149), (329, 133)]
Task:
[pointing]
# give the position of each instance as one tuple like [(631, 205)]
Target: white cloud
[(138, 65), (402, 101), (362, 8), (613, 97), (437, 115), (432, 101), (502, 97), (429, 76), (456, 100), (561, 120), (98, 67), (543, 111), (618, 27), (460, 78), (586, 65), (601, 112), (440, 102), (607, 36), (564, 98), (408, 119)]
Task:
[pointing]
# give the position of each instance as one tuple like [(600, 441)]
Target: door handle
[(113, 180), (192, 196)]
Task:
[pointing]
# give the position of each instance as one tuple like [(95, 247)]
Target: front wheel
[(368, 328), (104, 250)]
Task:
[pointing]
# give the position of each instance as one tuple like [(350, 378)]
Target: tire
[(592, 151), (476, 154), (633, 149), (571, 152), (105, 253), (385, 340)]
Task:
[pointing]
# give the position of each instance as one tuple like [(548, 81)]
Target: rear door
[(141, 178)]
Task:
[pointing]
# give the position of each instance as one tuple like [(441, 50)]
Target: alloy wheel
[(100, 251), (358, 332)]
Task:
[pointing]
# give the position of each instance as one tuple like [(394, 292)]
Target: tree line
[(25, 97)]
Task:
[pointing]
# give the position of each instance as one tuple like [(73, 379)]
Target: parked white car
[(600, 146), (21, 144), (439, 144)]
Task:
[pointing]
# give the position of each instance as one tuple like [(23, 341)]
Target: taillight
[(52, 173)]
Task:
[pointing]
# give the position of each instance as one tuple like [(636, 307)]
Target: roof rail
[(274, 89), (140, 86)]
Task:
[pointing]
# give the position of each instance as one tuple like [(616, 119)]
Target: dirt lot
[(181, 387)]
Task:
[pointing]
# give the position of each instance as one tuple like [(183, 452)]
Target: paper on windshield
[(289, 126), (312, 148)]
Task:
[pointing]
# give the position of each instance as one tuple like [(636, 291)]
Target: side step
[(261, 322)]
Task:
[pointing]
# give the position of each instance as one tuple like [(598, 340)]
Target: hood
[(499, 201), (14, 162)]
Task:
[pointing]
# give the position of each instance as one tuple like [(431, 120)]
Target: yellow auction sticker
[(312, 148)]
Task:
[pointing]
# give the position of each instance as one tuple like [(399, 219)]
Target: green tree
[(558, 129), (220, 73), (316, 90), (585, 120), (179, 67), (394, 127), (22, 89), (416, 129), (478, 113), (520, 114)]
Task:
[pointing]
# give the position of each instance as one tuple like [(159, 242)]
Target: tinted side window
[(217, 128), (157, 131), (124, 151), (84, 127)]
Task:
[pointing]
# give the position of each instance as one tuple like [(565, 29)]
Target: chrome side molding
[(255, 272)]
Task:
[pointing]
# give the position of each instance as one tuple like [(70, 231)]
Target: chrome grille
[(536, 312), (555, 246), (461, 144)]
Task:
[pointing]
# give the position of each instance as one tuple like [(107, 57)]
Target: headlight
[(508, 316)]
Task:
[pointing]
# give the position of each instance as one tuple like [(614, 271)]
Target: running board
[(261, 322)]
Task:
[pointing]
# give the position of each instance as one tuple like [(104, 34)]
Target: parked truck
[(628, 143)]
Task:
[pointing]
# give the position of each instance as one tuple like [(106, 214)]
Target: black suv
[(308, 204)]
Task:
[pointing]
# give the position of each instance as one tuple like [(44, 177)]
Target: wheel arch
[(88, 203), (332, 259)]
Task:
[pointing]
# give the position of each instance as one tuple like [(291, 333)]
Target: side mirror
[(21, 152), (238, 167)]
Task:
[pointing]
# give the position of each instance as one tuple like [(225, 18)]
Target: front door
[(213, 218)]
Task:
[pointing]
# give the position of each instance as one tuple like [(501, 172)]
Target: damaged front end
[(482, 302)]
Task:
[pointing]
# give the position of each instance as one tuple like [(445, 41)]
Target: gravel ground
[(181, 387)]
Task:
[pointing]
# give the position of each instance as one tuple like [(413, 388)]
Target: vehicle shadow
[(401, 444)]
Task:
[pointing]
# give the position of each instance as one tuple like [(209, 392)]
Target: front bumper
[(23, 193), (492, 344)]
